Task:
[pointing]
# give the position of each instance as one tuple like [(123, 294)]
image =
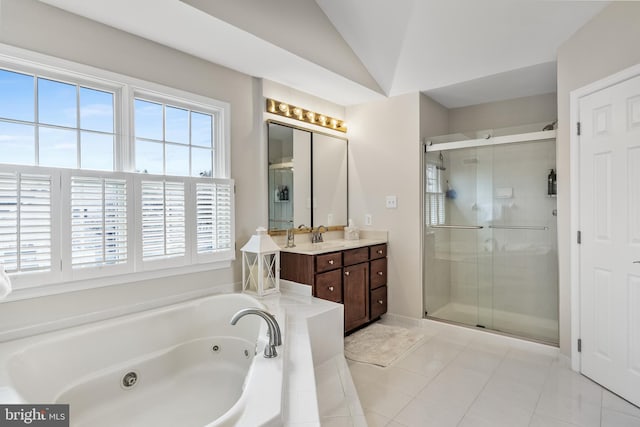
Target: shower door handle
[(518, 227), (459, 227)]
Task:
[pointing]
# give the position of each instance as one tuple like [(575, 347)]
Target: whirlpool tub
[(181, 365)]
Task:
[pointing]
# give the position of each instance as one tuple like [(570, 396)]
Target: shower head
[(441, 167), (550, 126)]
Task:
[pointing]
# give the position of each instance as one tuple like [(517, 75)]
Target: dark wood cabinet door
[(330, 261), (379, 251), (355, 288), (329, 286), (378, 302), (378, 273)]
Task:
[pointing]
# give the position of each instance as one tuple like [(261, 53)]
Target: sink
[(319, 247), (328, 245)]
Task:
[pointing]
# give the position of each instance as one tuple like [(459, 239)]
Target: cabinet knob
[(380, 251), (380, 273), (346, 273), (330, 288), (331, 261), (380, 302)]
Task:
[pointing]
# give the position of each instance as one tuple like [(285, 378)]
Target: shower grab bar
[(459, 227), (518, 227)]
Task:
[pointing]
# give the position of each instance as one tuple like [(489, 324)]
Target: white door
[(610, 249)]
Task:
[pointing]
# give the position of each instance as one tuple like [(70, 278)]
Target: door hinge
[(579, 237), (578, 128), (579, 345)]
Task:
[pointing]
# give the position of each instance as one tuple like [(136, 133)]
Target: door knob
[(380, 302), (331, 288), (346, 273), (380, 273)]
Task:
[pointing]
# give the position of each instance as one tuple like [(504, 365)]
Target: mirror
[(289, 177), (329, 180), (306, 169)]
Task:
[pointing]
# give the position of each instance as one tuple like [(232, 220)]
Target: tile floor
[(458, 377)]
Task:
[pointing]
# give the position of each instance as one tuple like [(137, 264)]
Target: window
[(435, 196), (80, 199), (172, 140), (46, 122)]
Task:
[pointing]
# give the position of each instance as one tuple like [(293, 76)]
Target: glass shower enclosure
[(490, 235)]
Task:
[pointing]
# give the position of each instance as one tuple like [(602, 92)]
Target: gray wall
[(605, 45), (35, 26)]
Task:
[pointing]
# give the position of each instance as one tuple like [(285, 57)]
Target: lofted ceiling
[(459, 52)]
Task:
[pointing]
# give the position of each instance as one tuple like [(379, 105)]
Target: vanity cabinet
[(354, 277)]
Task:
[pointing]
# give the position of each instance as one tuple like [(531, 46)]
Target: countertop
[(308, 248)]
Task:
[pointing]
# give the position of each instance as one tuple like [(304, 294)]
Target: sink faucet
[(275, 337), (316, 236)]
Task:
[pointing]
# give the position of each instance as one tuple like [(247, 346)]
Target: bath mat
[(379, 344)]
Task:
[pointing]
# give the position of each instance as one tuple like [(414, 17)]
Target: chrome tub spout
[(275, 336)]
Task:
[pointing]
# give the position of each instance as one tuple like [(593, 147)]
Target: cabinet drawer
[(378, 302), (329, 286), (378, 273), (327, 262), (379, 251), (356, 256)]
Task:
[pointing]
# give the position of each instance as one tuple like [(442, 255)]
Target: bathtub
[(180, 365)]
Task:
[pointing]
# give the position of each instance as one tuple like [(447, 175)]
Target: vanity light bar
[(297, 113)]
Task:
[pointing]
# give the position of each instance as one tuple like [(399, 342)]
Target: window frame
[(62, 278)]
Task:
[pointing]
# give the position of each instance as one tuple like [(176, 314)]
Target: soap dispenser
[(551, 183), (351, 232)]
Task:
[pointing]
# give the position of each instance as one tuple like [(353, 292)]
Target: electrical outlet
[(391, 202), (368, 220)]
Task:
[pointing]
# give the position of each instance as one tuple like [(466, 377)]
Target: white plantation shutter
[(98, 221), (435, 196), (163, 219), (214, 219), (25, 222)]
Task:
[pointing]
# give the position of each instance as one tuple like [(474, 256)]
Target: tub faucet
[(316, 236), (275, 337)]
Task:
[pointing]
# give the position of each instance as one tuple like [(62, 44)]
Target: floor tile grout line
[(426, 385), (485, 384), (544, 384)]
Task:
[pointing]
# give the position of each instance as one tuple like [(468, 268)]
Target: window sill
[(87, 284)]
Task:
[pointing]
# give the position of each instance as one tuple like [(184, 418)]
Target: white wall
[(500, 114), (384, 159), (605, 45), (35, 26)]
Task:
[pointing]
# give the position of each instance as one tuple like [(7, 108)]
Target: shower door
[(490, 238), (457, 274)]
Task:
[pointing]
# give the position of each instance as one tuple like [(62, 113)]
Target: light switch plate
[(368, 220), (391, 202)]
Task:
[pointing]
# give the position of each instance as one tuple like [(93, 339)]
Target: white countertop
[(308, 248)]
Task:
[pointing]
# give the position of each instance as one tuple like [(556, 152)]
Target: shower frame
[(485, 142)]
